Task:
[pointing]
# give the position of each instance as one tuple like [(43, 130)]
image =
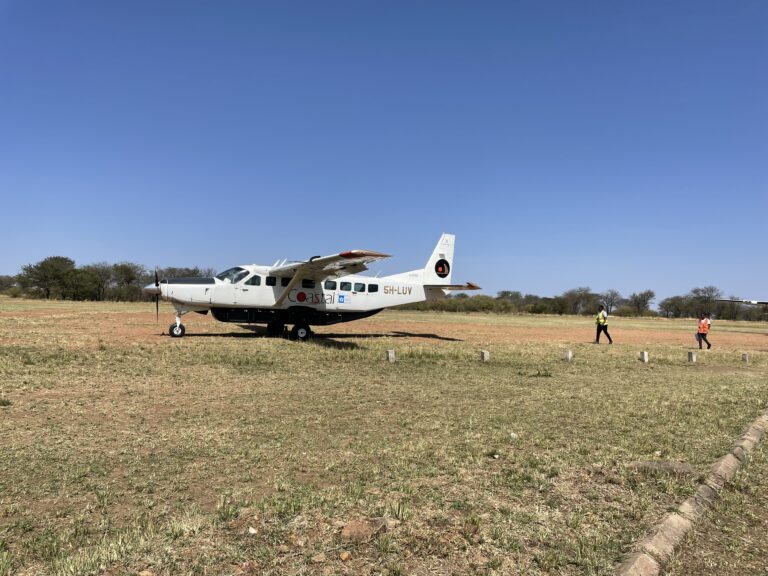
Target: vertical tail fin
[(439, 267)]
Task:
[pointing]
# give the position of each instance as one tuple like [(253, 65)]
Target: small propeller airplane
[(320, 291)]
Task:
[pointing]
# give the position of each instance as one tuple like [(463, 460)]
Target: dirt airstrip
[(137, 326)]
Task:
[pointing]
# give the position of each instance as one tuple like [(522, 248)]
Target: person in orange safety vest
[(701, 335)]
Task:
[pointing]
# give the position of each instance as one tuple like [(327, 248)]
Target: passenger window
[(307, 283), (346, 286), (359, 287), (284, 282), (373, 287), (271, 281), (254, 280), (330, 285)]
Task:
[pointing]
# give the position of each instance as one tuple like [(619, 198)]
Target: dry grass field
[(731, 539), (226, 452)]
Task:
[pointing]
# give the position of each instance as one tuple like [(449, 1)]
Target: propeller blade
[(157, 298)]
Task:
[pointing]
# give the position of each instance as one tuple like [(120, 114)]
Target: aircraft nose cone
[(151, 289)]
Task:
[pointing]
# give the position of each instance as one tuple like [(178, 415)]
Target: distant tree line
[(582, 301), (58, 277)]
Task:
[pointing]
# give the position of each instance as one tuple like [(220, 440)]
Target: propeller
[(157, 298)]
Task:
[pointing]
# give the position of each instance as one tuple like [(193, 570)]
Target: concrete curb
[(655, 551)]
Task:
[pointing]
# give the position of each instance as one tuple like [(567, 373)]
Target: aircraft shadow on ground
[(220, 335), (393, 334), (254, 332), (259, 332), (327, 340)]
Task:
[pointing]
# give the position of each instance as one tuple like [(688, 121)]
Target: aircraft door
[(227, 292), (247, 291)]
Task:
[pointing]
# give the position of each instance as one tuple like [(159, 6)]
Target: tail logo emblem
[(442, 268)]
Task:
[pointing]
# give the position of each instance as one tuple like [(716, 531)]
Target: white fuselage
[(352, 293)]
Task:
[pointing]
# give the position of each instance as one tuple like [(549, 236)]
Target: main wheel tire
[(275, 328), (301, 332), (176, 331)]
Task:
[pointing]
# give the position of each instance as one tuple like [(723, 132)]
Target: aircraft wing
[(743, 301), (321, 267)]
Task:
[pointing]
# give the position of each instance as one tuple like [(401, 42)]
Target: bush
[(14, 292)]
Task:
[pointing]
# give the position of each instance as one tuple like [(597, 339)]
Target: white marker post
[(568, 356), (391, 356), (644, 357), (745, 358), (485, 356), (691, 356)]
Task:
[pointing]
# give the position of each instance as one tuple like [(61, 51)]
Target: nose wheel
[(176, 330), (301, 332)]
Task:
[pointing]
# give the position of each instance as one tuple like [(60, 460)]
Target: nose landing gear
[(177, 330)]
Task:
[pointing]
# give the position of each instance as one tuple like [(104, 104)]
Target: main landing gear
[(275, 328), (301, 332)]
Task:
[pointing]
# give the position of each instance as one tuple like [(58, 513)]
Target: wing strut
[(295, 280)]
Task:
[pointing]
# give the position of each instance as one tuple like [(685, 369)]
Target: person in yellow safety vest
[(601, 320), (701, 335)]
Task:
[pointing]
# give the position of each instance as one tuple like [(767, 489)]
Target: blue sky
[(604, 144)]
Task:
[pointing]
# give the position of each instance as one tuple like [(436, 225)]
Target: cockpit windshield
[(233, 275)]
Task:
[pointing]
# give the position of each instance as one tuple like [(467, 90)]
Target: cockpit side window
[(239, 276), (254, 280), (233, 275)]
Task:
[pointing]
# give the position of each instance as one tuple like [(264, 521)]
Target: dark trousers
[(703, 338), (603, 328)]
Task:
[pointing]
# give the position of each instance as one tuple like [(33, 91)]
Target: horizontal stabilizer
[(756, 302)]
